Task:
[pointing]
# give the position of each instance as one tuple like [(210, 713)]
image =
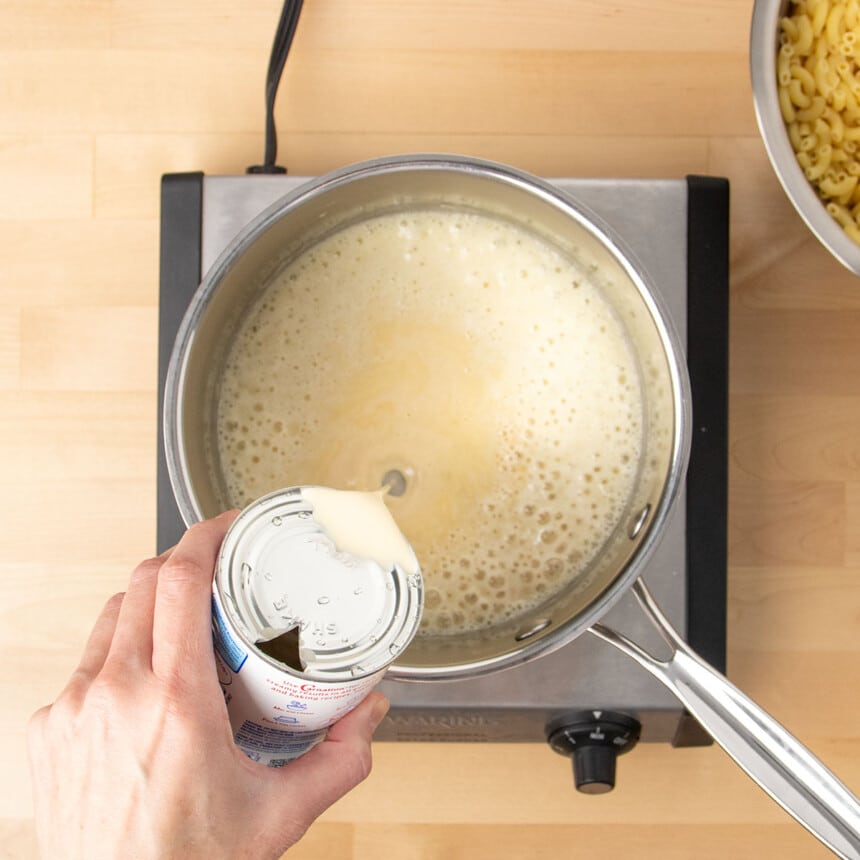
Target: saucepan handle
[(775, 759)]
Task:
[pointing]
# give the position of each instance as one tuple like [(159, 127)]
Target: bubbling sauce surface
[(473, 358)]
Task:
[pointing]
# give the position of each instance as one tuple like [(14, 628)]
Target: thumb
[(338, 764)]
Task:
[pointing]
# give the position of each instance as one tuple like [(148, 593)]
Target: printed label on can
[(226, 646), (303, 629), (275, 716)]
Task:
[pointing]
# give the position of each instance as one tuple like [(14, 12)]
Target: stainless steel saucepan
[(769, 754)]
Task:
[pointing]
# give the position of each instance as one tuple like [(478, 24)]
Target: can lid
[(308, 605)]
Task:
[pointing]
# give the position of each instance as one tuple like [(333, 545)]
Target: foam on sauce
[(473, 358)]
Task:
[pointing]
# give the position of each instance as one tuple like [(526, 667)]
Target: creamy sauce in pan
[(473, 360)]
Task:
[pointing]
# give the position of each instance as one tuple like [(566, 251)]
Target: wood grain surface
[(99, 98)]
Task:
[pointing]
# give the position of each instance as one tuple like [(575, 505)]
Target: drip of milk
[(360, 524)]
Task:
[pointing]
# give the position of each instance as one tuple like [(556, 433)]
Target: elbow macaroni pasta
[(818, 82)]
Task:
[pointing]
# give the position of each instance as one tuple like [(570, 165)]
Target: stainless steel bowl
[(764, 43)]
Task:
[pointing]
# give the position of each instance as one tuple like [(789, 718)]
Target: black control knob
[(594, 740)]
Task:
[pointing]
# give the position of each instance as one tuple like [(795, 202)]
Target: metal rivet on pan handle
[(637, 524), (527, 631)]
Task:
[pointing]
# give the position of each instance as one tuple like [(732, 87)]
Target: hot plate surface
[(677, 230)]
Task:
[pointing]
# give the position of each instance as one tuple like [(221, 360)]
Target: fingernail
[(379, 710)]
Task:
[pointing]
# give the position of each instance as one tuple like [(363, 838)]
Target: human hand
[(135, 758)]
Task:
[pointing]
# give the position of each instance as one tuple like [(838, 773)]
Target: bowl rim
[(798, 189)]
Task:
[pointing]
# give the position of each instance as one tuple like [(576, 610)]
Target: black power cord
[(280, 48)]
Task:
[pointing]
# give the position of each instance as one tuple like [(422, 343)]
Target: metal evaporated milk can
[(316, 592)]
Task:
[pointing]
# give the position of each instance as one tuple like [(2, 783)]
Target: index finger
[(182, 622)]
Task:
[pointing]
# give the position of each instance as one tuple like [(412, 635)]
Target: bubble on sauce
[(416, 340)]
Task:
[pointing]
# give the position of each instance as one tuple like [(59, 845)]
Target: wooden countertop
[(98, 98)]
